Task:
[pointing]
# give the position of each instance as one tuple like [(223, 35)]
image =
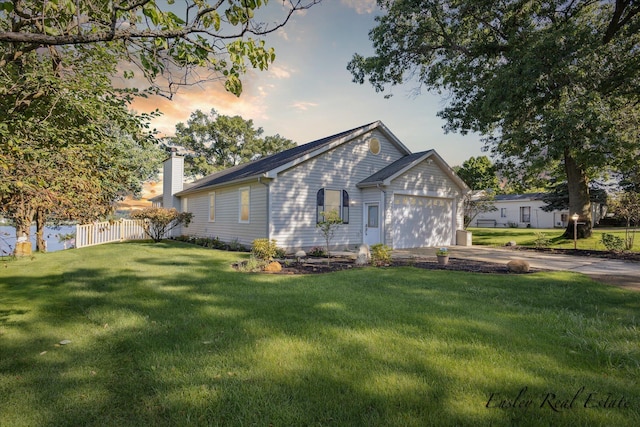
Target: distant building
[(525, 211)]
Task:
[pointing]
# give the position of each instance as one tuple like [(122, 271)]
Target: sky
[(308, 94)]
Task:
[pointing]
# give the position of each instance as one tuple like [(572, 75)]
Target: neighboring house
[(382, 191), (525, 210)]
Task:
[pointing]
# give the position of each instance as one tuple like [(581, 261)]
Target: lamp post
[(575, 217)]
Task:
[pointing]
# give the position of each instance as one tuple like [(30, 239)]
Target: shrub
[(541, 240), (252, 265), (612, 242), (236, 246), (380, 254), (280, 253), (264, 249), (157, 222)]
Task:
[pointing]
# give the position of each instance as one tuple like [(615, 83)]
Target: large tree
[(69, 146), (548, 83), (214, 141), (195, 41)]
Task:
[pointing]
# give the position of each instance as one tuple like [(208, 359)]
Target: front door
[(371, 223)]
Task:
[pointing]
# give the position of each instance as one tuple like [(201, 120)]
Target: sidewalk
[(621, 273)]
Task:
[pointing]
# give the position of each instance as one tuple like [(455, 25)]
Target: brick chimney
[(172, 181)]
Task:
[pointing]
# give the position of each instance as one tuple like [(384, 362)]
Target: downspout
[(384, 213), (268, 207)]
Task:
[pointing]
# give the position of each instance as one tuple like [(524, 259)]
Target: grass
[(169, 334), (527, 237)]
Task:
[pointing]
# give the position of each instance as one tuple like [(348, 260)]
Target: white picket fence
[(98, 233)]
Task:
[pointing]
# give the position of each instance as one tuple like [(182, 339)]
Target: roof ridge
[(267, 163)]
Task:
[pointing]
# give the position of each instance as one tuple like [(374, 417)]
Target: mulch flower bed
[(455, 264)]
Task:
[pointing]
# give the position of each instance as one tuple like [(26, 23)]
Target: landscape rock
[(518, 266), (301, 254), (273, 267), (511, 243), (362, 260), (364, 255)]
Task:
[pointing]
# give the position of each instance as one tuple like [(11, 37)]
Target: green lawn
[(527, 237), (169, 334)]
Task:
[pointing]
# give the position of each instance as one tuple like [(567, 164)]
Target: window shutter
[(319, 204), (345, 207)]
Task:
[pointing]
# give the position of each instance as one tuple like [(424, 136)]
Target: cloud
[(283, 34), (362, 7), (303, 106), (280, 72), (250, 105)]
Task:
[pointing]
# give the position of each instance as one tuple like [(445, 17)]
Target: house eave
[(370, 184), (252, 178)]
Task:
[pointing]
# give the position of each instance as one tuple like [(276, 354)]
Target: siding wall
[(424, 179), (293, 193), (227, 226), (539, 218)]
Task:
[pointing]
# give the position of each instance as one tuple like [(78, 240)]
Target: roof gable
[(271, 165), (397, 168)]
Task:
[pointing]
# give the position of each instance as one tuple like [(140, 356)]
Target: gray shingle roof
[(516, 197), (265, 164)]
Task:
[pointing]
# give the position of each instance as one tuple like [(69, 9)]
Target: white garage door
[(421, 221)]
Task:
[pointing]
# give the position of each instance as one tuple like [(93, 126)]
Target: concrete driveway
[(621, 273)]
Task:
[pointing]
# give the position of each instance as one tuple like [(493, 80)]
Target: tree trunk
[(41, 244), (22, 219), (579, 201)]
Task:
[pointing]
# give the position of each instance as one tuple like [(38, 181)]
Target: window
[(328, 200), (372, 216), (503, 212), (185, 207), (374, 146), (212, 207), (244, 204), (525, 214)]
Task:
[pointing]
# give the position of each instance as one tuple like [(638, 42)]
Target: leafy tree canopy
[(214, 142), (548, 83), (157, 38), (479, 174), (69, 146)]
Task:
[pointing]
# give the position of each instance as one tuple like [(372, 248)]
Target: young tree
[(475, 203), (215, 142), (328, 225), (626, 205), (548, 84), (154, 37), (159, 221)]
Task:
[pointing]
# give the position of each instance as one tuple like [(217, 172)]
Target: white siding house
[(383, 192), (525, 211)]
